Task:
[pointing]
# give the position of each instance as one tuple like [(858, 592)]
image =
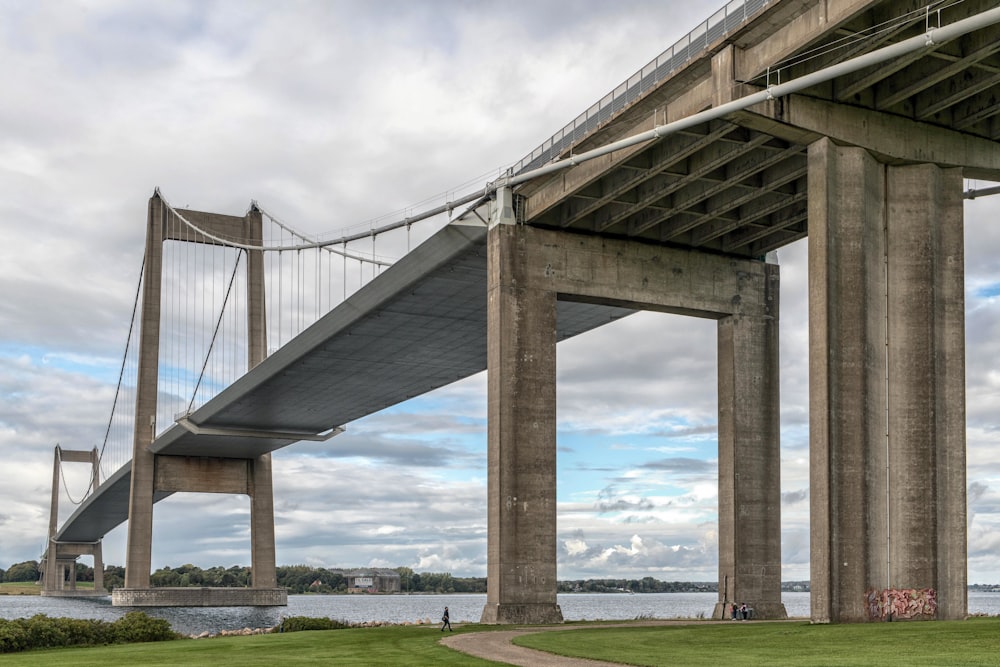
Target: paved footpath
[(496, 645)]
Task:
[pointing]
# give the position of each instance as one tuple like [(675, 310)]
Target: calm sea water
[(402, 608)]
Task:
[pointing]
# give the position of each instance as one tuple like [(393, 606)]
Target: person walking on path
[(446, 620)]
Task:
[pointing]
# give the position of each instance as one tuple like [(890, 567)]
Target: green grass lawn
[(31, 588), (794, 644), (951, 644), (400, 645), (21, 588)]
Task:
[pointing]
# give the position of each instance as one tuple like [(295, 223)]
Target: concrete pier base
[(521, 614), (75, 593), (199, 597)]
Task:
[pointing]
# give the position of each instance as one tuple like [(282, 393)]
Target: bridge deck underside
[(418, 326), (738, 184)]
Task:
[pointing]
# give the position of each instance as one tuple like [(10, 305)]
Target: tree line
[(299, 579), (296, 578), (644, 585)]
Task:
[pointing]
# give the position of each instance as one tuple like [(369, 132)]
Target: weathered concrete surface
[(196, 474), (263, 572), (521, 436), (889, 137), (846, 371), (74, 592), (529, 268), (640, 275), (887, 459), (263, 565), (139, 548), (926, 374), (749, 459)]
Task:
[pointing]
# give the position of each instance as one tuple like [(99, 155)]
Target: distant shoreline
[(24, 588)]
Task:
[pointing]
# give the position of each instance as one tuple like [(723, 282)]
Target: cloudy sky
[(331, 115)]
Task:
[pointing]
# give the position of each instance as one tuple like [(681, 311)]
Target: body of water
[(408, 608)]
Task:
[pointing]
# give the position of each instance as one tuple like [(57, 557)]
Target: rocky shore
[(246, 632)]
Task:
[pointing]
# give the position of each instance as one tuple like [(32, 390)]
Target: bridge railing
[(692, 45)]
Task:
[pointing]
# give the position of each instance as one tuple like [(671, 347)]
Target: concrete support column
[(50, 572), (262, 557), (749, 460), (139, 552), (887, 439), (263, 570), (949, 400), (926, 373), (98, 568), (256, 308), (521, 363), (847, 380)]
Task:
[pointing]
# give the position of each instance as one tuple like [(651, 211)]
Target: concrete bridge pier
[(750, 460), (521, 436), (887, 388), (529, 270)]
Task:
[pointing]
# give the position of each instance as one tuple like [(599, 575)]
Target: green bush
[(41, 631), (135, 626), (45, 632), (86, 632), (301, 623), (13, 638)]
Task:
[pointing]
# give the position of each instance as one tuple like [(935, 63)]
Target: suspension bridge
[(852, 121)]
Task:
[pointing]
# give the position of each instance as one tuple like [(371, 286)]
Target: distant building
[(371, 581)]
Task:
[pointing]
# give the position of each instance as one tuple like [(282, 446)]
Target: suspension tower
[(155, 475), (60, 557)]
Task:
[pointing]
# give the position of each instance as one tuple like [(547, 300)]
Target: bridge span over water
[(851, 121), (419, 326)]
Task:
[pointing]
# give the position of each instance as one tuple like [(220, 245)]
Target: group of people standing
[(741, 613)]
